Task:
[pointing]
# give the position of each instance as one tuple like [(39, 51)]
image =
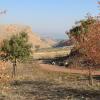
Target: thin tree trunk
[(90, 76), (14, 69)]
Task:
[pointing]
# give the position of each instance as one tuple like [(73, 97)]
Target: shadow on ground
[(43, 90), (97, 77)]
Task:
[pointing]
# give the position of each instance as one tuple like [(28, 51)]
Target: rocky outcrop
[(6, 31)]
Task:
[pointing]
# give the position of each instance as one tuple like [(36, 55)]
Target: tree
[(79, 32), (87, 40), (16, 49), (92, 45)]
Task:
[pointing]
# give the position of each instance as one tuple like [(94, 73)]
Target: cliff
[(6, 31)]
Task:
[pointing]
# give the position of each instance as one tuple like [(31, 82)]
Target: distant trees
[(16, 49)]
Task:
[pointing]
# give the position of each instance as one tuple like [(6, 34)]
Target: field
[(51, 52), (34, 83)]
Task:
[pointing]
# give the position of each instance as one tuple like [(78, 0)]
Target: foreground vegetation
[(16, 49), (33, 83)]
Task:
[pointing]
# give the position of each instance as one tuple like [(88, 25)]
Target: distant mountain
[(6, 31), (49, 41), (62, 43)]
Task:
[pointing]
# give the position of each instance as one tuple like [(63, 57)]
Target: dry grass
[(33, 83), (52, 52)]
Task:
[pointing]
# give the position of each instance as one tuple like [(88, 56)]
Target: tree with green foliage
[(16, 49), (86, 36), (79, 31)]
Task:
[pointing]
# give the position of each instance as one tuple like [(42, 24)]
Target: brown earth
[(56, 68)]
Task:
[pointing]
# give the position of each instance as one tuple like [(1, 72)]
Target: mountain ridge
[(7, 30)]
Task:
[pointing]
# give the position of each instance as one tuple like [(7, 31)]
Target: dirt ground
[(34, 83), (55, 68)]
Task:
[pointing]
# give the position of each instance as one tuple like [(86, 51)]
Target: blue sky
[(50, 18)]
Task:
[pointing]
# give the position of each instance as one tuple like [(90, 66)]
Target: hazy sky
[(49, 18)]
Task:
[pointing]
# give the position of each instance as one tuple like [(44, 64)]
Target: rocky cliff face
[(7, 31)]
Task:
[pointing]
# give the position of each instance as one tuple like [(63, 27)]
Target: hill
[(63, 43), (7, 31)]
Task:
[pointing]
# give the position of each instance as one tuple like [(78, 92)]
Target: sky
[(49, 18)]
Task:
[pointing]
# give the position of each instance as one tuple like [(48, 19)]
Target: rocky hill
[(7, 31), (63, 43)]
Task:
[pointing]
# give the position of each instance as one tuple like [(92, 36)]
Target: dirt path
[(55, 68)]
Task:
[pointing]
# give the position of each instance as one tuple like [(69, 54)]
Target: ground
[(34, 83)]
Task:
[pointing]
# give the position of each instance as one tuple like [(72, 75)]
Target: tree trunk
[(14, 69), (90, 76)]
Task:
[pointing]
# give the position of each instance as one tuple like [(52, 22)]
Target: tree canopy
[(16, 49)]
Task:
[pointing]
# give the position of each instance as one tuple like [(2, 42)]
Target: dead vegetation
[(33, 83), (51, 53)]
